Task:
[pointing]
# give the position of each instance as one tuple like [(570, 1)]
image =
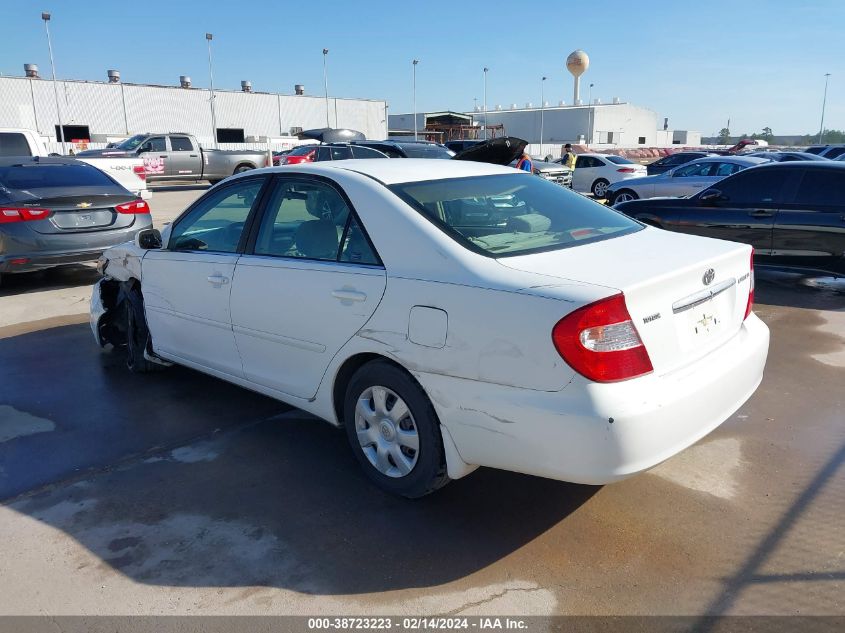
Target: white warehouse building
[(101, 112), (601, 125)]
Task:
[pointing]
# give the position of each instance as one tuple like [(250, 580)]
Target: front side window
[(513, 214), (155, 144), (821, 187), (694, 171), (217, 221), (757, 185)]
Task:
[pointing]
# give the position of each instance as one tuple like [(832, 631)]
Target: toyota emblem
[(708, 277)]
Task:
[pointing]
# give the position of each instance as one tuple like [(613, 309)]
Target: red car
[(301, 154)]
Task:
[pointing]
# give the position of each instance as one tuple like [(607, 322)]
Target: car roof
[(6, 161), (748, 161), (804, 164), (391, 171)]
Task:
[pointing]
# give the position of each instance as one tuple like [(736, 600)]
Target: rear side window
[(35, 176), (513, 214), (821, 188), (835, 152), (14, 144), (180, 144)]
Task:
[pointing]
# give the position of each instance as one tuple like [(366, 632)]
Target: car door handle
[(162, 155), (194, 155), (761, 213), (349, 295), (217, 279)]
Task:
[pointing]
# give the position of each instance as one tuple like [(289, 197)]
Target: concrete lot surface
[(176, 493)]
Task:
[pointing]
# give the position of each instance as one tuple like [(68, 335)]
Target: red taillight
[(600, 342), (750, 303), (141, 172), (22, 214), (134, 207), (626, 170)]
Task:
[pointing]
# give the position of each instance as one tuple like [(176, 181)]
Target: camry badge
[(708, 277), (83, 205)]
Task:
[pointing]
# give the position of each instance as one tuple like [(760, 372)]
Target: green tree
[(724, 136), (767, 134)]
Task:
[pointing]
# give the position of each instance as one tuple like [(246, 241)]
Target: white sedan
[(448, 315), (594, 173)]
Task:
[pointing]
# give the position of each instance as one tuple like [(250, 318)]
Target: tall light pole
[(415, 62), (46, 17), (485, 102), (824, 103), (326, 84), (590, 118), (542, 111), (208, 38)]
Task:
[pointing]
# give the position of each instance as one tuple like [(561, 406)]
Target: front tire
[(394, 431), (599, 188), (137, 339)]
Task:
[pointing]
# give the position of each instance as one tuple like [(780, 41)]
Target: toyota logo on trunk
[(708, 277)]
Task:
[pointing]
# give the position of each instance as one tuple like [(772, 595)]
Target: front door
[(187, 284), (745, 212), (311, 282), (154, 153)]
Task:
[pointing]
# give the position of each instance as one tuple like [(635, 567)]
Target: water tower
[(577, 63)]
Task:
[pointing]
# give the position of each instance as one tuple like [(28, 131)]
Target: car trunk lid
[(686, 295), (498, 151), (87, 209)]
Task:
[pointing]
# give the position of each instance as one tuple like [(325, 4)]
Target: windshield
[(421, 150), (513, 214), (619, 160), (132, 142)]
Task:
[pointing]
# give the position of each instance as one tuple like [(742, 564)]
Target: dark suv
[(408, 149)]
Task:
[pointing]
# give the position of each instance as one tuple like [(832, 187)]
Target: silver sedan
[(681, 181)]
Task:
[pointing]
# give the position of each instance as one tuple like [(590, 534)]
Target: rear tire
[(599, 188), (242, 168), (624, 195), (394, 431)]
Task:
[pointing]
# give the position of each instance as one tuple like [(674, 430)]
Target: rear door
[(183, 159), (810, 226), (311, 281), (187, 284), (745, 212)]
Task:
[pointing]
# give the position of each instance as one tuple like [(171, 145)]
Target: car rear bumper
[(599, 433), (24, 250)]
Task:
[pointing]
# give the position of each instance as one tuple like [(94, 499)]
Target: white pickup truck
[(128, 172)]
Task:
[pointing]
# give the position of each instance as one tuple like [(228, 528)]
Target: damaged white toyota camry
[(449, 315)]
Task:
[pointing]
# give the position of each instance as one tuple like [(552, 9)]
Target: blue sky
[(761, 63)]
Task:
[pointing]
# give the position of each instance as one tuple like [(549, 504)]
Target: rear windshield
[(619, 160), (513, 214), (36, 176), (426, 151), (14, 144)]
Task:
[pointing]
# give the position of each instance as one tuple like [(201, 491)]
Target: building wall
[(119, 110)]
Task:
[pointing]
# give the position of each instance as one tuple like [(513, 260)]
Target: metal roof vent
[(114, 76), (596, 101), (616, 100), (561, 103), (513, 106), (528, 104), (299, 89), (246, 86), (184, 81), (499, 106), (31, 70)]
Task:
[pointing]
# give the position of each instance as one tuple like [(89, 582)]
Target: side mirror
[(148, 239), (712, 195)]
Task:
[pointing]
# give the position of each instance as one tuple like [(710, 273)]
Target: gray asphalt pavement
[(176, 493)]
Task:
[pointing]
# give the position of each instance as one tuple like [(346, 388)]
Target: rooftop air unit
[(184, 81), (246, 86), (31, 71), (299, 89), (114, 76)]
